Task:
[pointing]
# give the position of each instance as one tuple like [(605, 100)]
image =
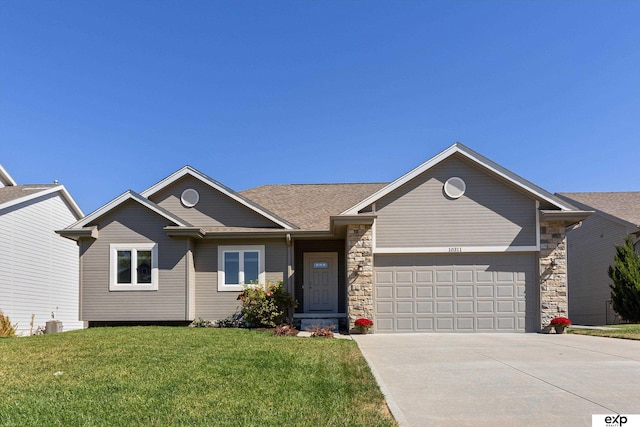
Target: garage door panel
[(404, 277), (404, 324), (485, 324), (424, 307), (444, 307), (464, 291), (444, 276), (445, 324), (483, 291), (424, 324), (384, 277), (424, 291), (424, 276), (505, 307), (504, 291), (484, 307), (404, 291), (404, 307), (384, 292), (453, 293), (384, 307), (444, 291), (464, 307)]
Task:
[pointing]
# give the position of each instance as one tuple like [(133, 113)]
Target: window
[(240, 265), (134, 267)]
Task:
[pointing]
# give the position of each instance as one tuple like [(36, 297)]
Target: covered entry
[(456, 292)]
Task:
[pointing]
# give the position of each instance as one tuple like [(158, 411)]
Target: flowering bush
[(363, 323), (265, 307), (560, 321)]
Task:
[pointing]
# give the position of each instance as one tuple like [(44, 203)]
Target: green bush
[(625, 273), (6, 328), (266, 307)]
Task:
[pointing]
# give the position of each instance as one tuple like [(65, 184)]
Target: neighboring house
[(38, 269), (591, 250), (458, 244)]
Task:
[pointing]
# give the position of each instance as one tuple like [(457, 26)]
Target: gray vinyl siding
[(213, 209), (212, 304), (590, 252), (133, 223), (490, 213)]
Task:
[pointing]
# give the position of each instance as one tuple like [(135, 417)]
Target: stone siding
[(359, 272), (553, 272)]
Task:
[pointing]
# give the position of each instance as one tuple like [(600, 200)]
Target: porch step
[(310, 324)]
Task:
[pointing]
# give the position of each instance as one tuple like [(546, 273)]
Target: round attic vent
[(190, 197), (454, 187)]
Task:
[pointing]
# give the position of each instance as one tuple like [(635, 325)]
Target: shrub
[(236, 320), (625, 273), (321, 332), (6, 328), (266, 307)]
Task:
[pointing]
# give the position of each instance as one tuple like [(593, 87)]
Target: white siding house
[(38, 268)]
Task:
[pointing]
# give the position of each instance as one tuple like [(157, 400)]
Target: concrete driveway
[(504, 379)]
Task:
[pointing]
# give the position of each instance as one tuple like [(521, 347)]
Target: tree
[(625, 273)]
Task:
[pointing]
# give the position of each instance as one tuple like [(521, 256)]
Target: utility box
[(53, 326)]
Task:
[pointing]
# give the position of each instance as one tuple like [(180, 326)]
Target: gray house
[(592, 249), (458, 244)]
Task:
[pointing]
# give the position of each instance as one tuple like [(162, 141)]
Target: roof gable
[(118, 201), (17, 194), (190, 171), (474, 157)]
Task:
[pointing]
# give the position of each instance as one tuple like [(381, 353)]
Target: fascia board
[(4, 175), (188, 170), (472, 155)]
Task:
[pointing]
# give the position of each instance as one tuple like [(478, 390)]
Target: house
[(38, 269), (458, 244), (591, 250)]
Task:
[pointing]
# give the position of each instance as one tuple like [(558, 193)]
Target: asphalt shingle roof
[(14, 192), (624, 205), (309, 206)]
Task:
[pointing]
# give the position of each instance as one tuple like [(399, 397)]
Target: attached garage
[(456, 292)]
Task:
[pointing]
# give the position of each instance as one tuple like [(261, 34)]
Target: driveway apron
[(504, 379)]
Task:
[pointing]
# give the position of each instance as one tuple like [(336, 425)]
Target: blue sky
[(106, 96)]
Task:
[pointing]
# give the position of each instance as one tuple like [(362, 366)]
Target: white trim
[(467, 152), (58, 188), (128, 195), (7, 179), (113, 266), (455, 249), (222, 287), (538, 225), (188, 170)]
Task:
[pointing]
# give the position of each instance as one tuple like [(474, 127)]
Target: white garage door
[(455, 293)]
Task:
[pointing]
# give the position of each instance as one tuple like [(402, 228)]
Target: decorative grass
[(630, 331), (6, 328), (158, 376)]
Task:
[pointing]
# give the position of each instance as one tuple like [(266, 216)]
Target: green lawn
[(185, 376), (631, 332)]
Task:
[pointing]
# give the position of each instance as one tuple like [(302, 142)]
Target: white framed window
[(240, 265), (133, 267)]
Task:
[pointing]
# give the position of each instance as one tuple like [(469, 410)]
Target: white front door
[(321, 282)]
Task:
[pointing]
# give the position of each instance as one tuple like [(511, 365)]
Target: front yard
[(186, 376), (631, 332)]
